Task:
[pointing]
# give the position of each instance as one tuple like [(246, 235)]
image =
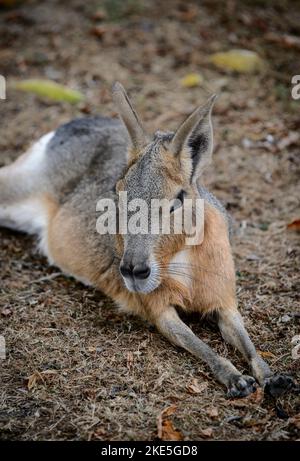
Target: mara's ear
[(196, 135), (129, 116)]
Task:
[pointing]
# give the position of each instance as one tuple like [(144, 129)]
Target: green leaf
[(243, 61), (50, 90), (191, 80)]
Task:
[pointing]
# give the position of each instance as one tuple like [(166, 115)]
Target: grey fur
[(86, 149), (215, 202)]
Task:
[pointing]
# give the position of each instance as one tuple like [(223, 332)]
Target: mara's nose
[(139, 271)]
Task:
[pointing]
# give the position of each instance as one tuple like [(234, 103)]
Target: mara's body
[(52, 191), (64, 175)]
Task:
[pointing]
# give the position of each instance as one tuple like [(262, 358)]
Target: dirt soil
[(76, 368)]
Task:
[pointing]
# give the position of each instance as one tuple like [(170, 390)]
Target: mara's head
[(160, 181)]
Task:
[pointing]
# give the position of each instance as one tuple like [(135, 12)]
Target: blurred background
[(90, 373), (158, 50)]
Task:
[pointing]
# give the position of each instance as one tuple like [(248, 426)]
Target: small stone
[(247, 143), (253, 257)]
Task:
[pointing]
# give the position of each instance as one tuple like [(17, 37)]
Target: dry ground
[(75, 367)]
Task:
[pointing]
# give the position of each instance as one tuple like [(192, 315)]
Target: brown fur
[(213, 284)]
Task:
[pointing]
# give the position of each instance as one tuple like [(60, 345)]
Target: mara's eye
[(178, 201)]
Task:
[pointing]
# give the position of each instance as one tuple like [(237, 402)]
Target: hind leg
[(21, 186)]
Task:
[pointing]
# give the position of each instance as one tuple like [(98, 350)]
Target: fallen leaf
[(165, 428), (207, 433), (168, 411), (49, 89), (294, 225), (257, 396), (254, 398), (168, 432), (195, 388), (31, 381), (266, 354), (191, 80), (243, 61)]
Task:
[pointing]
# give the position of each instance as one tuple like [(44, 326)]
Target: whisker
[(193, 266), (194, 279), (181, 275), (179, 272)]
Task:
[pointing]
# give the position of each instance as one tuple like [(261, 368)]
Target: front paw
[(240, 386), (277, 385)]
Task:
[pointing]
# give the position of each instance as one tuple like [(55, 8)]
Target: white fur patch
[(180, 269), (34, 157), (29, 215)]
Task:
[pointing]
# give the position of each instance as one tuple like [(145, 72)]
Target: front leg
[(233, 331), (177, 332)]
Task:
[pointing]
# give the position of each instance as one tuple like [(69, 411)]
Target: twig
[(46, 278)]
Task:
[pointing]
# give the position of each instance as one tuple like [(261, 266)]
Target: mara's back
[(85, 157)]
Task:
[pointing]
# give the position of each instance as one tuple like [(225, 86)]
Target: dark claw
[(279, 384), (241, 386)]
